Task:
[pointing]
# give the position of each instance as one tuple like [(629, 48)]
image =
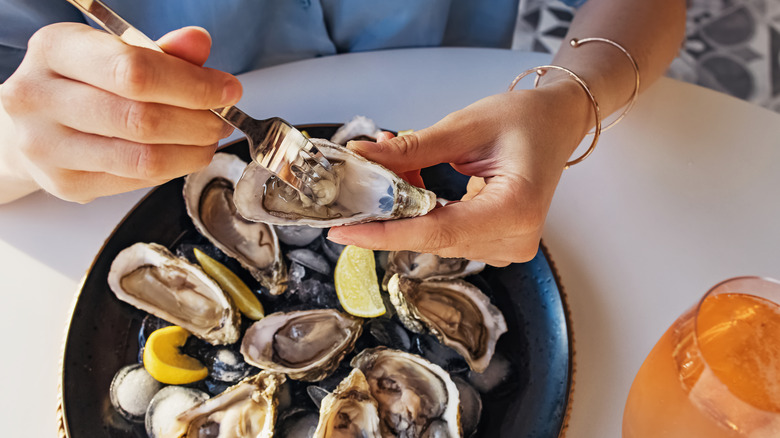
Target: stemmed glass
[(716, 371)]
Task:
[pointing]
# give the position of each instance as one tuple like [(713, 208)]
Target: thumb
[(420, 149), (192, 44)]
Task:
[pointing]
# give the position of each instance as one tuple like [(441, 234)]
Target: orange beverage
[(716, 371)]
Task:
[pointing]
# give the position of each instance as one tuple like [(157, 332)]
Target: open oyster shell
[(349, 411), (367, 192), (208, 195), (423, 266), (245, 410), (455, 311), (416, 398), (151, 278), (306, 345)]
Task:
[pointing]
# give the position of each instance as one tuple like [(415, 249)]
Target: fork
[(273, 142)]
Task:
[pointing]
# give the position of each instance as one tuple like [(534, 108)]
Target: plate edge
[(62, 428), (570, 334)]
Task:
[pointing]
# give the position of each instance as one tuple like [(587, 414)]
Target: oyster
[(425, 266), (414, 396), (455, 311), (349, 411), (208, 195), (149, 277), (367, 192), (306, 345), (246, 410)]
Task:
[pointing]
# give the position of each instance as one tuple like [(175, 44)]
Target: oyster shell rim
[(415, 321), (347, 388), (265, 386), (320, 368), (273, 278), (227, 332), (451, 414), (404, 194)]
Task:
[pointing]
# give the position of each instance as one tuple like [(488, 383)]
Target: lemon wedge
[(356, 283), (239, 292), (164, 360)]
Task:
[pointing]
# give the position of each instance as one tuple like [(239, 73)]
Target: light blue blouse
[(249, 34)]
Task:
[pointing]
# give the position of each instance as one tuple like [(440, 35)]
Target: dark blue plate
[(102, 336)]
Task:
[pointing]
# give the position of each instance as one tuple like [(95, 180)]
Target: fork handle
[(114, 24)]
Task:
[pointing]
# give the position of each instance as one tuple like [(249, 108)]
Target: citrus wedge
[(356, 283), (239, 292), (164, 360)]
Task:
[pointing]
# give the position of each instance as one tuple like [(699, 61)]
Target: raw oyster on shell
[(306, 344), (424, 266), (349, 411), (455, 311), (151, 278), (367, 192), (245, 410), (208, 196), (413, 394)]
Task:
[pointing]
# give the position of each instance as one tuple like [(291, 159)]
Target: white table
[(682, 194)]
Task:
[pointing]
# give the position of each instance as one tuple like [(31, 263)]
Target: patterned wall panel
[(732, 46)]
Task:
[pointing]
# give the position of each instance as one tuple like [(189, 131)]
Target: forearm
[(14, 181), (651, 31)]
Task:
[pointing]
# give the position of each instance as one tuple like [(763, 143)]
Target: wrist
[(569, 100)]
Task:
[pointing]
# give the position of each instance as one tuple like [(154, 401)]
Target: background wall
[(732, 46)]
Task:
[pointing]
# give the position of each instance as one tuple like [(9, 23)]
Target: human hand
[(513, 145), (91, 116)]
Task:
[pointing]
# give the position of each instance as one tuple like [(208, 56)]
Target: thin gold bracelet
[(575, 42), (540, 70)]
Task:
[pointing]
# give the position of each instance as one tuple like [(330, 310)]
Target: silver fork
[(273, 142)]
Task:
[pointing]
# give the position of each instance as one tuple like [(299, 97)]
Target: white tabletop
[(682, 194)]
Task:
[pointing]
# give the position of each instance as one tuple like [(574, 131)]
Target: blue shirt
[(250, 34)]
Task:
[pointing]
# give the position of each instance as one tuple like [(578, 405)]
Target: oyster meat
[(306, 345), (416, 398), (455, 311), (246, 410), (366, 192), (151, 278), (208, 195), (349, 411)]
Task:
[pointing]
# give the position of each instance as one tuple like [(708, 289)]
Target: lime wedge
[(357, 286)]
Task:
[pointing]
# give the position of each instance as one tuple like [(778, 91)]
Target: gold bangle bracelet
[(540, 70), (575, 42)]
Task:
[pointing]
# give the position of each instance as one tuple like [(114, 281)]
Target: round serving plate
[(102, 334)]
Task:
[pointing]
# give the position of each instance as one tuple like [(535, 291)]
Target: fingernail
[(361, 145), (341, 240), (231, 93)]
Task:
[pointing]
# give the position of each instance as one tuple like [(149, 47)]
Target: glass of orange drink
[(715, 373)]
